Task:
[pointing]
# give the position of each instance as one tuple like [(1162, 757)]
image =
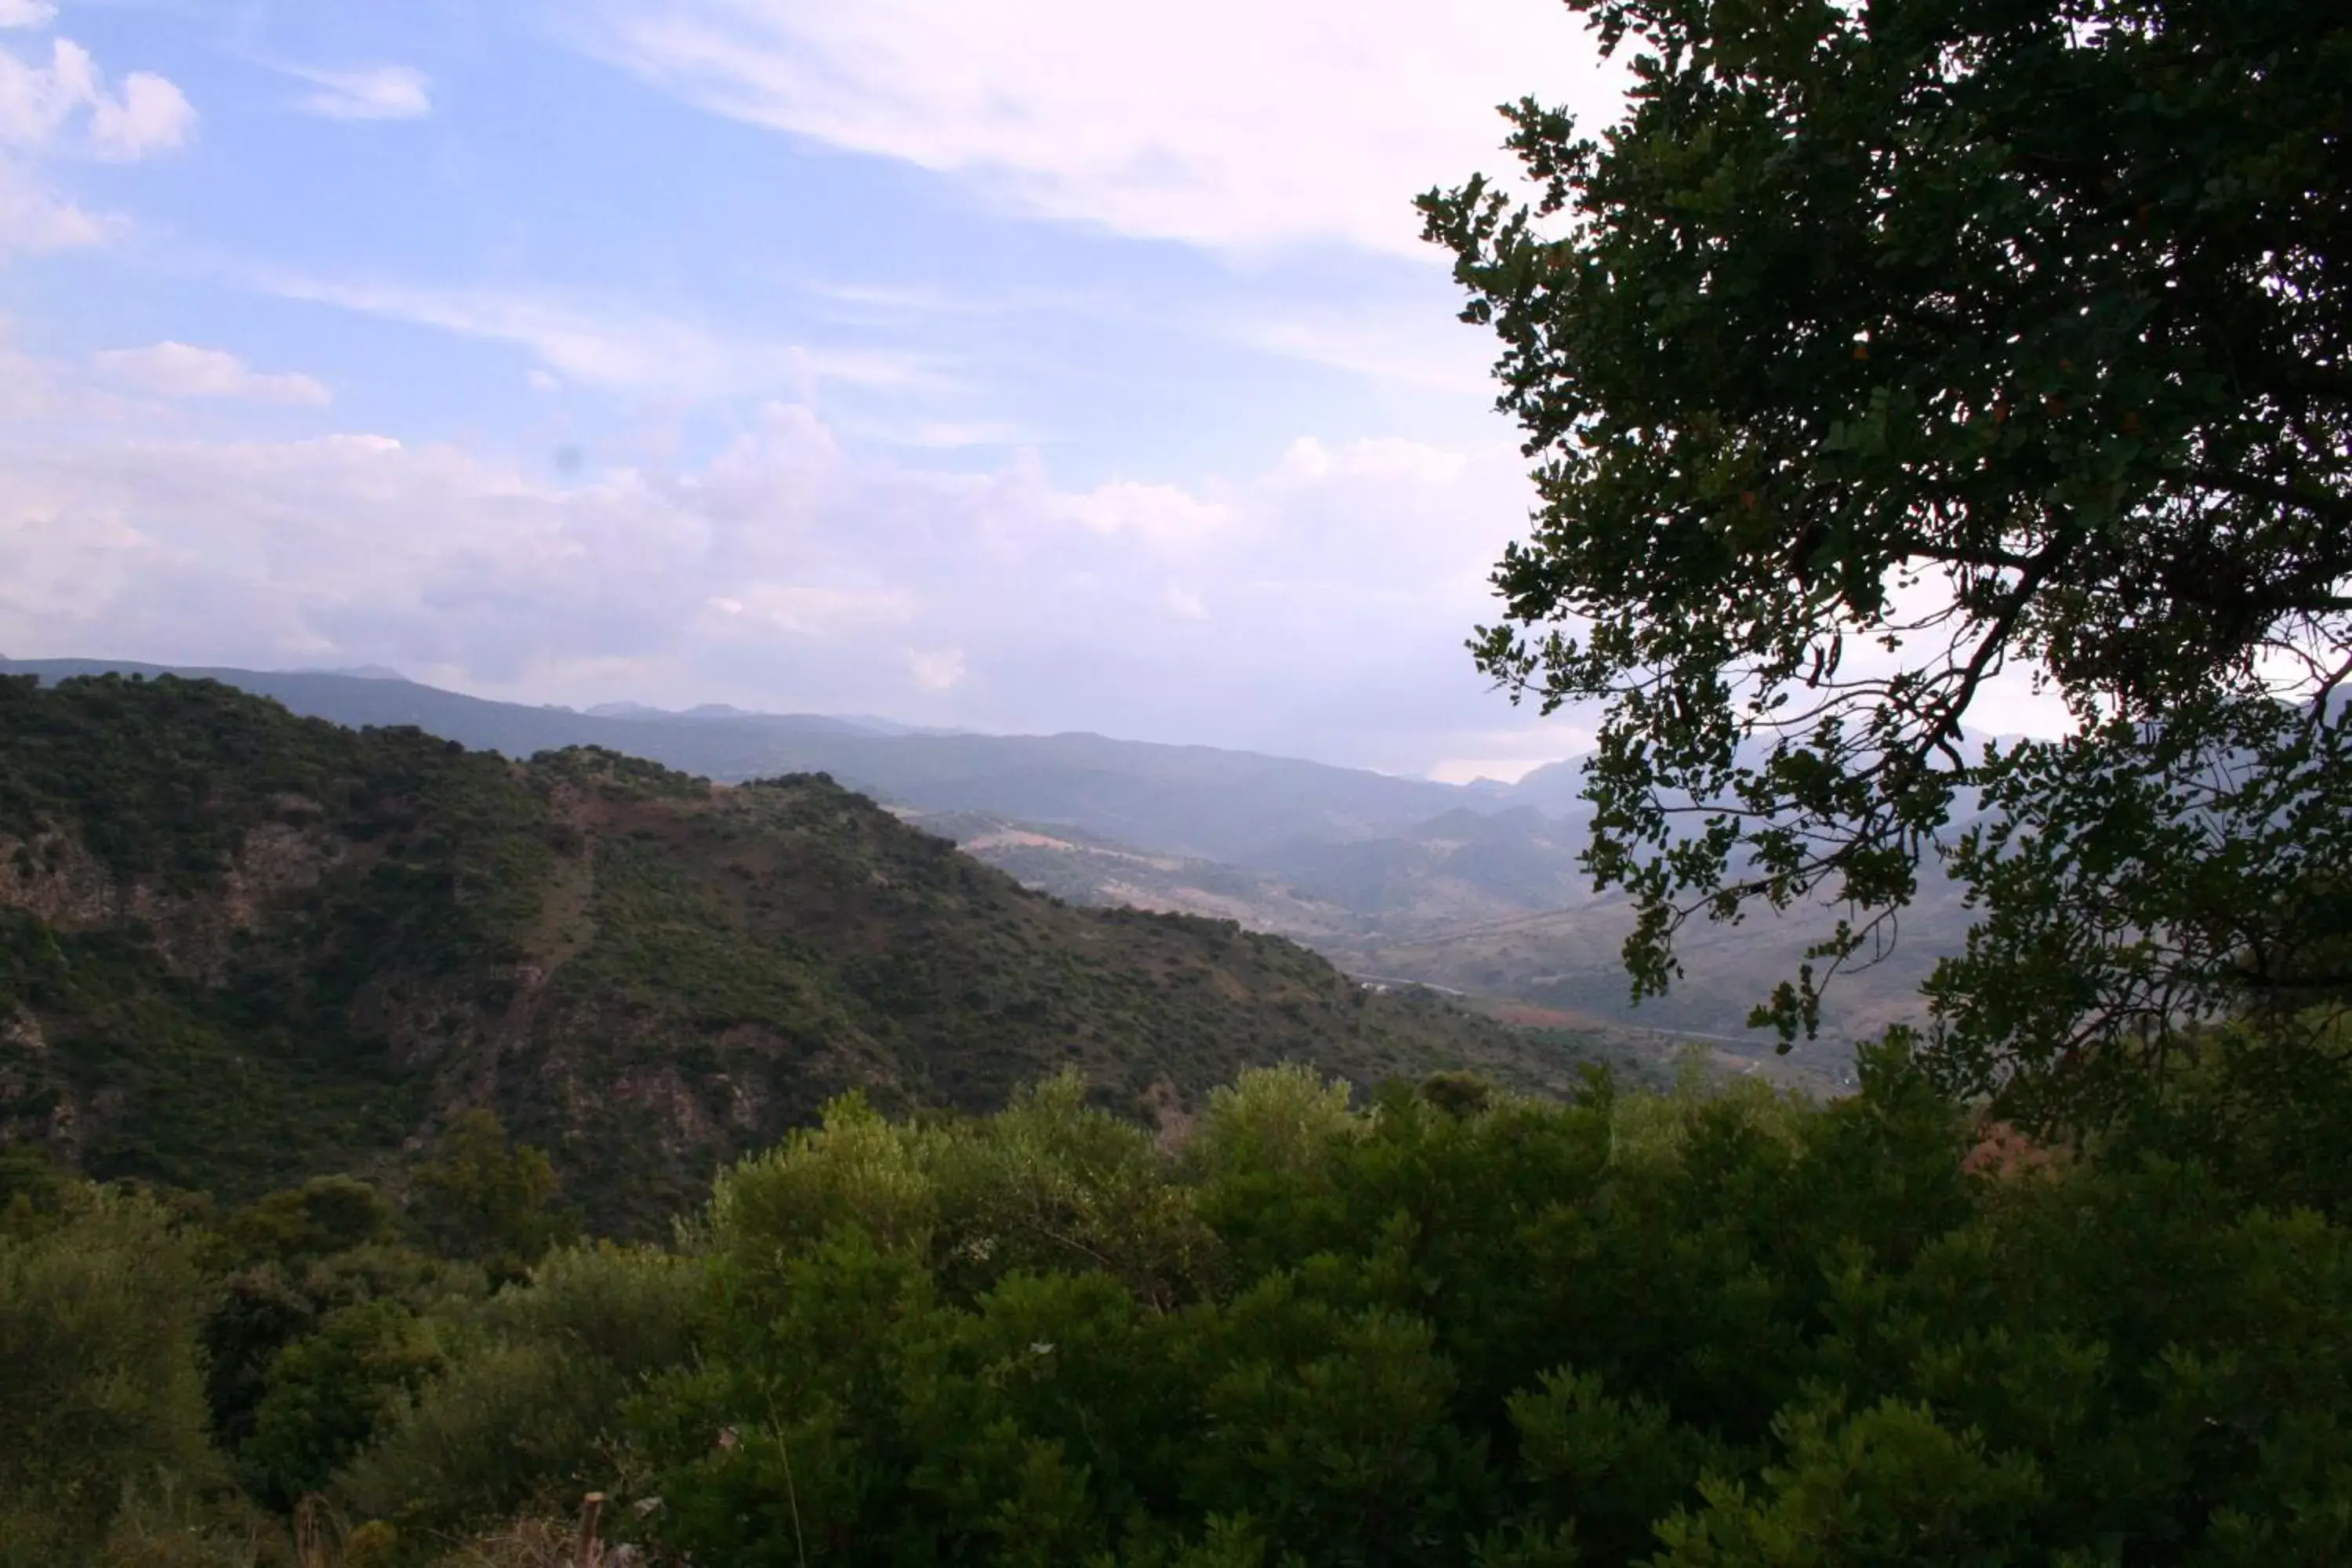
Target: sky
[(1025, 365)]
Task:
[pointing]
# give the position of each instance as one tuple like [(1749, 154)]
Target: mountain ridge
[(1204, 801)]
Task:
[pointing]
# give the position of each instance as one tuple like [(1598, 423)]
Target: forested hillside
[(1477, 890), (241, 947)]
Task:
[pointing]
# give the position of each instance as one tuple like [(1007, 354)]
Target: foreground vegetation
[(1712, 1327)]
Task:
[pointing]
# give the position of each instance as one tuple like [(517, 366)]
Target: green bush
[(326, 1394), (524, 1410), (482, 1197), (1720, 1328), (295, 1259), (99, 1367)]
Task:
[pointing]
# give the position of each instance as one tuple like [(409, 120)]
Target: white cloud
[(27, 13), (613, 345), (40, 106), (1167, 515), (149, 115), (371, 92), (1230, 123), (66, 108), (119, 390), (182, 370)]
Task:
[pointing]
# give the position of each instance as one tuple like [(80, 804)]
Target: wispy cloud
[(27, 13), (179, 370), (1230, 123), (36, 220), (1425, 348), (368, 92), (614, 345)]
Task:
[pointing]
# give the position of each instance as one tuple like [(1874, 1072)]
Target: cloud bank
[(1319, 605)]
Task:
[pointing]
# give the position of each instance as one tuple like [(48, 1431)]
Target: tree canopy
[(1881, 351)]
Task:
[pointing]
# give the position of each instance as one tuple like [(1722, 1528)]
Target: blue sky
[(1024, 364)]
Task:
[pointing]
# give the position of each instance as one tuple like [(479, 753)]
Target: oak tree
[(1883, 349)]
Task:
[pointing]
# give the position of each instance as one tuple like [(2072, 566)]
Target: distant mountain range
[(1474, 888), (1192, 800)]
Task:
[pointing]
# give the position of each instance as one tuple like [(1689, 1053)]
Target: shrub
[(99, 1363), (326, 1394), (523, 1413)]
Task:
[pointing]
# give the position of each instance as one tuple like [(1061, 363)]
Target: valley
[(1468, 888)]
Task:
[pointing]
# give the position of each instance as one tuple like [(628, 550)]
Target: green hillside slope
[(237, 946)]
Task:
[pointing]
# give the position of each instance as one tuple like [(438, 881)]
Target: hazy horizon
[(880, 724)]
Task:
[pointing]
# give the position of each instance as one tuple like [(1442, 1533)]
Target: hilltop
[(238, 946)]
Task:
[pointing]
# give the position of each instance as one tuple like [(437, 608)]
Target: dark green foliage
[(1881, 349), (289, 1260), (325, 1215), (332, 1393), (326, 1393), (1716, 1328), (229, 1088), (524, 1415), (2265, 1124), (100, 1365), (479, 1197), (1697, 1330), (33, 1190)]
